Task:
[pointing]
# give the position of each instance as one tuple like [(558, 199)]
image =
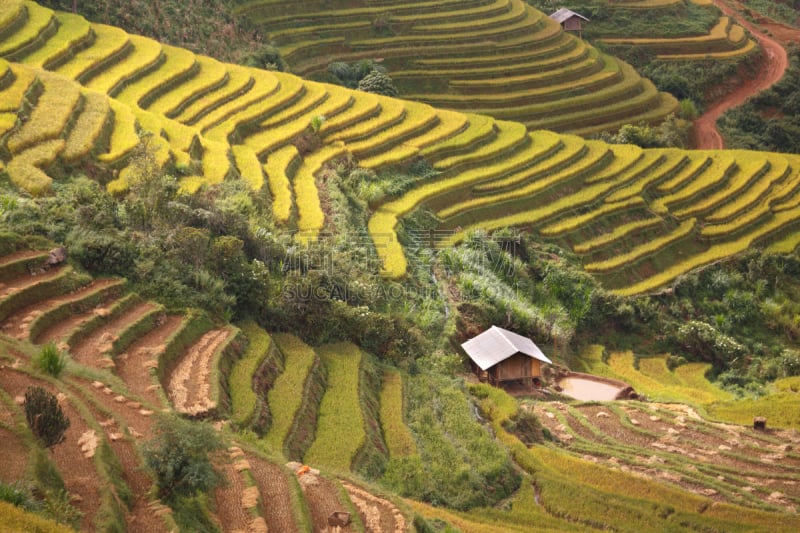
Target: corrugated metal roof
[(563, 14), (498, 344)]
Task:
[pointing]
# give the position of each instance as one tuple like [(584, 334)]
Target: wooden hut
[(569, 20), (498, 355)]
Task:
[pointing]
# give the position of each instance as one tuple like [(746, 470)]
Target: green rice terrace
[(219, 344)]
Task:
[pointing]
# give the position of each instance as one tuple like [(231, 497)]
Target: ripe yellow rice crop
[(72, 30), (656, 167), (597, 152), (7, 123), (277, 169), (714, 253), (392, 112), (10, 11), (211, 74), (266, 86), (572, 223), (364, 106), (395, 156), (722, 165), (239, 80), (340, 407), (88, 128), (643, 250), (24, 169), (271, 139), (39, 18), (450, 124), (313, 95), (123, 135), (416, 117), (749, 46), (258, 107), (249, 166), (616, 234), (13, 96), (560, 150), (398, 437), (509, 134), (109, 42), (737, 183), (310, 217), (626, 158), (717, 33), (284, 398), (778, 170), (51, 115), (146, 53), (478, 127), (178, 63)]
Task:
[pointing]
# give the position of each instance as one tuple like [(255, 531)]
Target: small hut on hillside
[(569, 20), (498, 355)]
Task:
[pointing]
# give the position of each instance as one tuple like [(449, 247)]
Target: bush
[(17, 494), (178, 455), (45, 416), (377, 82), (50, 360)]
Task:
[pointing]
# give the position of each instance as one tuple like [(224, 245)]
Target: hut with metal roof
[(569, 20), (498, 355)]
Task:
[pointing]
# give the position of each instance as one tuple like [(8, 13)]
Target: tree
[(45, 416)]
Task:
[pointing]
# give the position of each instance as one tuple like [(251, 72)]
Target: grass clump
[(50, 360)]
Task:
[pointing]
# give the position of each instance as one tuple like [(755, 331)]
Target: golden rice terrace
[(72, 91)]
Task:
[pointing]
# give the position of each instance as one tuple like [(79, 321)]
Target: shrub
[(377, 82), (178, 455), (16, 494), (45, 416), (50, 360)]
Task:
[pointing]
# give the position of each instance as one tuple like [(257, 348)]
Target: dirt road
[(775, 61)]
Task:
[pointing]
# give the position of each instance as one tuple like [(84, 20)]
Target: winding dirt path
[(773, 66)]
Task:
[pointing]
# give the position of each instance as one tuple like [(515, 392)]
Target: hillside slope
[(501, 58), (638, 218)]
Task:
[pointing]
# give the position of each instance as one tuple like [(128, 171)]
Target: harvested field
[(275, 490), (135, 365), (80, 476), (378, 514), (96, 348), (189, 385)]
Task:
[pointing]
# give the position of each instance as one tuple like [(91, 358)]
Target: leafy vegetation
[(770, 120), (178, 456), (457, 465)]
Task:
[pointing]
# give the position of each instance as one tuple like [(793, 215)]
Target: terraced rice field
[(112, 411), (638, 218), (501, 57), (673, 444), (725, 40)]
